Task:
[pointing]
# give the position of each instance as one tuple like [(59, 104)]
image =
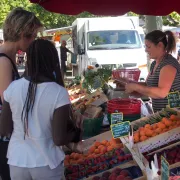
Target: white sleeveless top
[(37, 149)]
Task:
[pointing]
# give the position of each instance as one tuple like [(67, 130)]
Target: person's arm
[(166, 78), (6, 123), (63, 130), (5, 75), (67, 50)]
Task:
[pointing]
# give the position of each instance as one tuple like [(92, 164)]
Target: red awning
[(111, 7)]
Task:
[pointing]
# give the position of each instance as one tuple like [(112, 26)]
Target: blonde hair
[(20, 21)]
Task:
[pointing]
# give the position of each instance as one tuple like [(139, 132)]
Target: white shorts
[(39, 173)]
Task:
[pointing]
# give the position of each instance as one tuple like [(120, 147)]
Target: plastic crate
[(92, 127), (130, 74), (126, 106)]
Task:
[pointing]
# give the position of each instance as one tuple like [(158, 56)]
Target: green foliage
[(76, 80), (50, 20), (96, 79)]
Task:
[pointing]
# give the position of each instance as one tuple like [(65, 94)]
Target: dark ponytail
[(171, 45), (167, 38)]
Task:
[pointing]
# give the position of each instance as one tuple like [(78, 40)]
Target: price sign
[(164, 169), (116, 118), (120, 129), (174, 99)]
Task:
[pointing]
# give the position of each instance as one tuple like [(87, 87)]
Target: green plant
[(96, 79)]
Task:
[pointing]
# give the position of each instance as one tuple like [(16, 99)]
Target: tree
[(50, 20), (172, 19)]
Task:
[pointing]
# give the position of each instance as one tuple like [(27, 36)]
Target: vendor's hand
[(130, 88)]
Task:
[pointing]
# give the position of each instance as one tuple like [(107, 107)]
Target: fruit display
[(151, 130), (175, 174), (100, 157), (97, 149), (75, 94), (120, 174), (155, 118), (82, 104), (171, 155)]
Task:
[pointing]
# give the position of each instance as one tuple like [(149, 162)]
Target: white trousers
[(39, 173)]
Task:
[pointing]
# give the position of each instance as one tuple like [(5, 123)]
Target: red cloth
[(111, 7)]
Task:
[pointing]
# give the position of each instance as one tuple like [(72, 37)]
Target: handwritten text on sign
[(164, 169), (116, 118), (174, 99), (120, 129)]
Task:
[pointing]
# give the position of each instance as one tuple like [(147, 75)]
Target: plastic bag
[(146, 108)]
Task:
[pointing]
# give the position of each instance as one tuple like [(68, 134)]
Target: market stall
[(119, 141), (137, 148)]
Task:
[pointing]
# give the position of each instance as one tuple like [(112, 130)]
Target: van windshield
[(121, 39)]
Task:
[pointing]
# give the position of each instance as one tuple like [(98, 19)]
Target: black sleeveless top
[(15, 76), (153, 80)]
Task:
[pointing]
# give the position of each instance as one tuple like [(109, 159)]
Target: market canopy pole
[(152, 23)]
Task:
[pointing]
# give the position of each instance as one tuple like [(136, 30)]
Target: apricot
[(154, 126), (96, 144), (161, 125), (104, 142), (148, 132), (97, 151), (110, 148), (101, 146), (72, 155), (173, 117), (136, 138), (103, 150), (158, 130), (92, 149), (148, 126), (142, 132)]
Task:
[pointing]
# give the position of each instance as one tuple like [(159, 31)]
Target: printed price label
[(174, 99), (164, 169), (116, 118), (120, 129)]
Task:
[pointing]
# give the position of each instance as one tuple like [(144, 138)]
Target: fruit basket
[(172, 156), (155, 131), (130, 74), (126, 106), (120, 173), (99, 157)]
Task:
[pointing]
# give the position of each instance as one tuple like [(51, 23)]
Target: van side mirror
[(81, 50)]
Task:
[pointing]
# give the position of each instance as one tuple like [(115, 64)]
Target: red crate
[(126, 106), (130, 74)]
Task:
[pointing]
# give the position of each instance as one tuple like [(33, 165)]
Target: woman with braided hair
[(41, 118)]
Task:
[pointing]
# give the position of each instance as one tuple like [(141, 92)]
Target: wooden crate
[(122, 166), (89, 142), (156, 141)]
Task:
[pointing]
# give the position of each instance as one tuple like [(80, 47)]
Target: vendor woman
[(164, 76)]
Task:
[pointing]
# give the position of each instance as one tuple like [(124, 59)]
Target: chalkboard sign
[(116, 118), (164, 169), (174, 99), (120, 129)]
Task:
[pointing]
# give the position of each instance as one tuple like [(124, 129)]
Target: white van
[(114, 42)]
